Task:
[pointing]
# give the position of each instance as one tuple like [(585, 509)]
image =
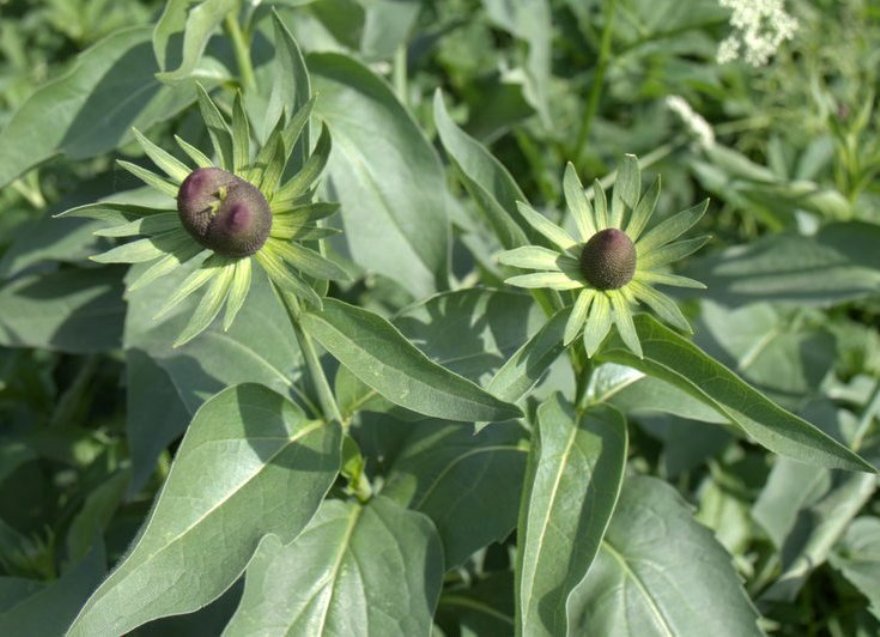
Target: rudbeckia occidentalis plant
[(231, 214), (614, 261)]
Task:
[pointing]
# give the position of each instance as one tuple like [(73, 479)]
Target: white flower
[(693, 120), (759, 28)]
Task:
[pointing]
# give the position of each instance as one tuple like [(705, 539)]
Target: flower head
[(615, 262), (228, 215), (759, 28)]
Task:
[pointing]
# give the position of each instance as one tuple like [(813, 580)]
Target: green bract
[(614, 263), (229, 215)]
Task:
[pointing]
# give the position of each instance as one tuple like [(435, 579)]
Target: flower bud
[(223, 212), (608, 260)]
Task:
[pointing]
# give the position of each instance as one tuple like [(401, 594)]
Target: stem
[(242, 52), (313, 363), (399, 74), (864, 426), (598, 81)]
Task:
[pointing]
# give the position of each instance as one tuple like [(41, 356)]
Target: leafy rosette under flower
[(230, 215), (615, 262)]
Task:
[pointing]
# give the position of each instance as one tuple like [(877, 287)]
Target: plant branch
[(598, 81), (242, 52), (317, 376)]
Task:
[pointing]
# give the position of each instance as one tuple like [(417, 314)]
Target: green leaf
[(485, 608), (68, 240), (644, 581), (297, 185), (97, 510), (471, 331), (381, 357), (525, 368), (73, 310), (91, 108), (14, 590), (670, 357), (371, 569), (805, 510), (632, 391), (857, 556), (530, 22), (197, 23), (291, 90), (50, 610), (241, 136), (166, 385), (576, 468), (229, 486), (485, 178), (218, 128), (391, 186), (837, 264), (627, 188), (170, 165), (780, 353), (466, 483)]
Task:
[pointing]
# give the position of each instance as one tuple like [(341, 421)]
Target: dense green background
[(710, 530)]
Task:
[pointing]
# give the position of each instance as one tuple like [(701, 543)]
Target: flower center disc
[(223, 212), (608, 260)]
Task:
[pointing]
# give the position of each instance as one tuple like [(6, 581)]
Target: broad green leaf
[(857, 556), (14, 590), (779, 353), (672, 358), (51, 239), (373, 569), (632, 391), (91, 108), (387, 25), (525, 368), (391, 186), (837, 264), (725, 497), (50, 609), (576, 468), (485, 608), (660, 573), (471, 331), (530, 22), (208, 620), (71, 310), (166, 385), (97, 510), (486, 180), (467, 484), (805, 511), (665, 412), (381, 357), (250, 464), (197, 23)]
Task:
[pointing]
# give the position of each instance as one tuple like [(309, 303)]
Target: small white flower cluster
[(759, 27), (693, 120)]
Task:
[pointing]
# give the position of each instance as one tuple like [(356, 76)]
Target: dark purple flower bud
[(223, 212), (608, 260)]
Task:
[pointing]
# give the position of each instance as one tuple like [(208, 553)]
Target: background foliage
[(443, 115)]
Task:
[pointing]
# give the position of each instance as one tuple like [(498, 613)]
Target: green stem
[(598, 81), (242, 52), (399, 74), (313, 364), (871, 410)]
